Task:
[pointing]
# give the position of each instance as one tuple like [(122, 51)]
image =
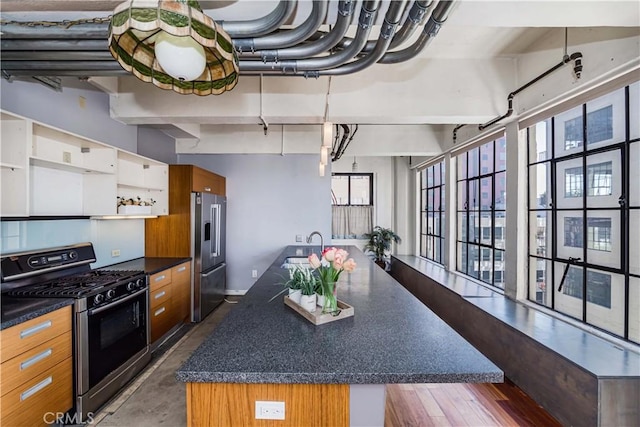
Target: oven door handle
[(116, 303)]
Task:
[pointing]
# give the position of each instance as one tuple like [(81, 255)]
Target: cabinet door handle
[(159, 311), (35, 329), (182, 269), (157, 279), (159, 295), (207, 189), (36, 388), (35, 359)]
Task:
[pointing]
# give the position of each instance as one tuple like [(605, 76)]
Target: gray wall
[(157, 145), (270, 200), (64, 110)]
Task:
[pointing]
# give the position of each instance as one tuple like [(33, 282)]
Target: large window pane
[(606, 119), (540, 281), (473, 158), (540, 141), (634, 309), (540, 237), (568, 135), (634, 241), (569, 184), (540, 186), (486, 188), (634, 110), (473, 261), (462, 166), (604, 179), (500, 194), (474, 194), (605, 300), (431, 227), (486, 158), (501, 154), (568, 298), (570, 234), (340, 189), (604, 243), (634, 174)]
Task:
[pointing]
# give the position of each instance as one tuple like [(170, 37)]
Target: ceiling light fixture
[(173, 45), (321, 169)]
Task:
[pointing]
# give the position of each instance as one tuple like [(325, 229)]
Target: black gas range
[(111, 312)]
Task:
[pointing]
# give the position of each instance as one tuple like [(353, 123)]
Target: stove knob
[(131, 286), (140, 283), (98, 298), (111, 293)]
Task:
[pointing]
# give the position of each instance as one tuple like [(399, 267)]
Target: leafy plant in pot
[(379, 243), (302, 286)]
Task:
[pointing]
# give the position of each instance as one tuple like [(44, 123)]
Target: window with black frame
[(584, 212), (481, 211), (351, 204), (432, 210)]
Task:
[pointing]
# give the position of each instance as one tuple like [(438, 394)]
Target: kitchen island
[(332, 374)]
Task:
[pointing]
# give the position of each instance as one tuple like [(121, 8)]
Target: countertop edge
[(48, 305), (150, 265)]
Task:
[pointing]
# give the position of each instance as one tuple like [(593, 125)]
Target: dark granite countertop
[(150, 265), (392, 338), (19, 310)]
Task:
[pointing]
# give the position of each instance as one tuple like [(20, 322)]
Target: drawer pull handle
[(159, 311), (35, 359), (160, 294), (182, 268), (35, 329), (36, 388), (157, 279), (207, 188)]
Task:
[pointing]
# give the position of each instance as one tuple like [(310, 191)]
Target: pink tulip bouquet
[(334, 261)]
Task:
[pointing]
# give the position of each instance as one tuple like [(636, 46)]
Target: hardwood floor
[(460, 405)]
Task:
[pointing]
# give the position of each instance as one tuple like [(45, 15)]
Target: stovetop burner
[(75, 285)]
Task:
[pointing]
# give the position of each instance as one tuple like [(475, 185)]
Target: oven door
[(111, 336)]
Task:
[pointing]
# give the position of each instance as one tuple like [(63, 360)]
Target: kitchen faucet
[(321, 239)]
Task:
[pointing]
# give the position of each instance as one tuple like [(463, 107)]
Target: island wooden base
[(224, 404)]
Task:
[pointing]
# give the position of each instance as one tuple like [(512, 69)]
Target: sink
[(293, 261)]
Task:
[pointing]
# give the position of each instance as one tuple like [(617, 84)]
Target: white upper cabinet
[(51, 172)]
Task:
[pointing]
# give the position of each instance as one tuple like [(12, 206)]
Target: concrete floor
[(154, 398)]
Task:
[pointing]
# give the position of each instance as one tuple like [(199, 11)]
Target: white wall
[(270, 200)]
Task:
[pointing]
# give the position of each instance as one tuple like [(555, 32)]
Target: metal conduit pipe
[(317, 46), (431, 28), (388, 29), (287, 38), (292, 67), (261, 26), (416, 16)]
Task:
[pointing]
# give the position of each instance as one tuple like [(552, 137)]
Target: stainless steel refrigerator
[(208, 218)]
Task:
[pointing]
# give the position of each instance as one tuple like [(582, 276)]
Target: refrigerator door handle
[(214, 270), (215, 215), (207, 231)]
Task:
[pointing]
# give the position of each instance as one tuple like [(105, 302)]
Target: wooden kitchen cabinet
[(170, 236), (170, 299), (48, 171), (36, 369)]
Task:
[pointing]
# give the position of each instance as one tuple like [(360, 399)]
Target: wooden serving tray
[(317, 317)]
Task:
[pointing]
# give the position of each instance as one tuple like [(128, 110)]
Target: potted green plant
[(379, 243), (308, 283)]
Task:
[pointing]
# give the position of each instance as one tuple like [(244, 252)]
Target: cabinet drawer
[(160, 279), (31, 363), (162, 319), (25, 336), (160, 296), (181, 273), (51, 391)]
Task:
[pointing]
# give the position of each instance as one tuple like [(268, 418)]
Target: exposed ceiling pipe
[(287, 38), (431, 28), (391, 20), (315, 47), (414, 18), (261, 26), (295, 67), (577, 68)]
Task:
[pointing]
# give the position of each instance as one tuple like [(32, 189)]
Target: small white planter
[(294, 295), (308, 302), (320, 300), (134, 210)]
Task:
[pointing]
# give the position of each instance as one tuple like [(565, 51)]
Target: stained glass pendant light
[(173, 45)]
